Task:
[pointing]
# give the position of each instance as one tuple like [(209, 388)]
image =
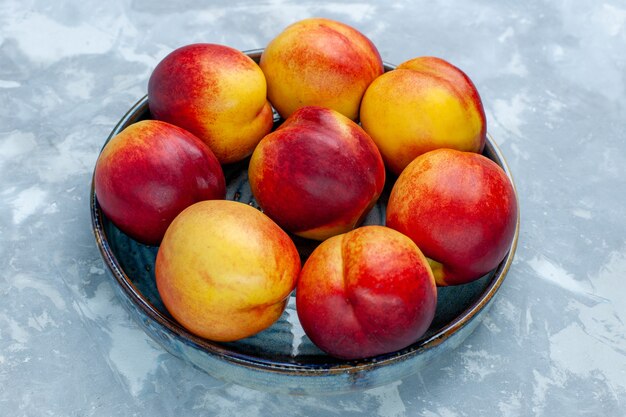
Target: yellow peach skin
[(319, 62), (424, 104), (224, 270)]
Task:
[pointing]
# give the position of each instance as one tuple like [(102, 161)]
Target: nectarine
[(364, 293), (217, 93), (224, 270), (461, 210), (318, 174), (424, 104), (147, 174), (319, 62)]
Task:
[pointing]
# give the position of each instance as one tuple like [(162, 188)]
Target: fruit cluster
[(225, 269)]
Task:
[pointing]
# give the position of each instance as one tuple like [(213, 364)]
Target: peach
[(365, 293), (461, 210), (319, 62), (318, 174), (147, 174), (424, 104), (217, 93), (225, 270)]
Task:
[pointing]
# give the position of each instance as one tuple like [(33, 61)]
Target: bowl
[(281, 358)]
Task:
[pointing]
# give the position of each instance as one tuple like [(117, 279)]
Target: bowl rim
[(268, 365)]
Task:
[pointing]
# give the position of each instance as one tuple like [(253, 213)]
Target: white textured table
[(552, 76)]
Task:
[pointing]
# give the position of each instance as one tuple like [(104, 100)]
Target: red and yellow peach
[(460, 209), (217, 93), (319, 62), (424, 104), (318, 174), (147, 174), (365, 293), (225, 270)]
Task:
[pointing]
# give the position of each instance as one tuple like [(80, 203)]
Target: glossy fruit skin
[(365, 293), (318, 174), (150, 172), (461, 210), (319, 62), (217, 93), (225, 270), (424, 104)]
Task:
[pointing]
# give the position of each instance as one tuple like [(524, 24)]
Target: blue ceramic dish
[(281, 358)]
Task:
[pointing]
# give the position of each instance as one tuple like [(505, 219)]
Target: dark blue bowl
[(281, 358)]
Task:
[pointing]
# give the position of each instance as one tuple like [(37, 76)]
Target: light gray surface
[(552, 77)]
